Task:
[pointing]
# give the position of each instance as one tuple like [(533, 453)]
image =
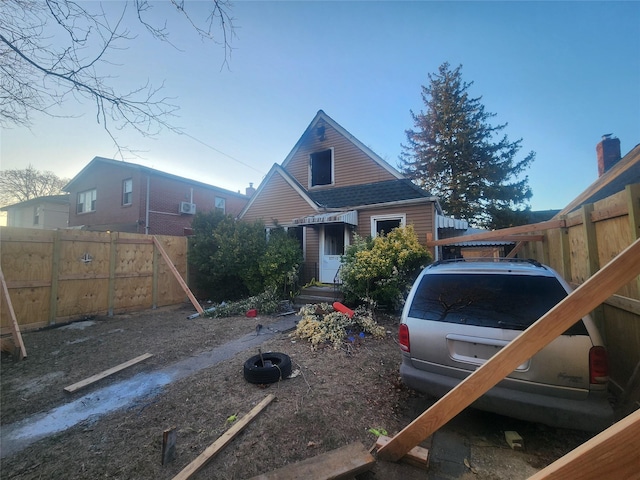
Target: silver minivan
[(460, 313)]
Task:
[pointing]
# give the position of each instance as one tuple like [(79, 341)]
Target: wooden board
[(621, 270), (175, 272), (20, 350), (610, 454), (106, 373), (417, 456), (213, 449), (342, 463)]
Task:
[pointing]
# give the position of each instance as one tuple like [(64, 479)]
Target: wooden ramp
[(342, 463)]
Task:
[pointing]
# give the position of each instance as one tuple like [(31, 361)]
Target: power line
[(222, 153)]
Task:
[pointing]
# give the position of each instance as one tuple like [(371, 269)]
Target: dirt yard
[(337, 396)]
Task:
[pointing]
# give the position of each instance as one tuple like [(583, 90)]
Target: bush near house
[(234, 259), (380, 271)]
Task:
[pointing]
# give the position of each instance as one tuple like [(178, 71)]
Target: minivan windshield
[(511, 302)]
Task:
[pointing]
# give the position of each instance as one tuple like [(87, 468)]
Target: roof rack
[(490, 259)]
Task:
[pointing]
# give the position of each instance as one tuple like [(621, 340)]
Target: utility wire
[(222, 153)]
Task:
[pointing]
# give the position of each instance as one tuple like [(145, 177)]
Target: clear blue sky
[(561, 74)]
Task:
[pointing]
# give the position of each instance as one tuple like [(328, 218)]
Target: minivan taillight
[(598, 365), (403, 337)]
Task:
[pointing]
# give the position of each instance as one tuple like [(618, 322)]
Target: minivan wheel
[(277, 366)]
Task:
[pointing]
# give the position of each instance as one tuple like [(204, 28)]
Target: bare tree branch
[(55, 49), (21, 185)]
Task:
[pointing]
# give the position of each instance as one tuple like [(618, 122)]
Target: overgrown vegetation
[(234, 260), (266, 303), (380, 271), (321, 324)]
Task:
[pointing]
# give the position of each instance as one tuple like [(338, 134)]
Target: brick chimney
[(608, 151), (249, 191)]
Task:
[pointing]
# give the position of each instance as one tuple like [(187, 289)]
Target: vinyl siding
[(420, 216), (278, 201), (352, 166)]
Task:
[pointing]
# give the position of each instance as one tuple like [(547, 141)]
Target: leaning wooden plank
[(106, 373), (20, 351), (618, 272), (342, 463), (610, 454), (502, 233), (175, 272), (417, 456), (221, 442)]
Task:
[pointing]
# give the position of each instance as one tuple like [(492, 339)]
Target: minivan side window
[(486, 300)]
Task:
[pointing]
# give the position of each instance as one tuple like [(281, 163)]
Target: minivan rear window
[(511, 302)]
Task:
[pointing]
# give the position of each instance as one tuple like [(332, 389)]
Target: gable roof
[(369, 194), (278, 170), (148, 170), (614, 180), (321, 118)]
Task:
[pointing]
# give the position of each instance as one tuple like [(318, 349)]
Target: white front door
[(333, 239)]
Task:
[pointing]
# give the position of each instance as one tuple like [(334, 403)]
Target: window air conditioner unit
[(188, 208)]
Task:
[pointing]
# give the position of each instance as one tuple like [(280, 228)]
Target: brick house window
[(220, 204), (127, 191), (321, 166), (86, 201)]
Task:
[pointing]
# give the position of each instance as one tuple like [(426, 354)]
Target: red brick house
[(111, 195), (332, 186)]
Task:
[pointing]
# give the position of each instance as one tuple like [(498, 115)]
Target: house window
[(86, 201), (383, 224), (36, 215), (127, 191), (220, 204), (321, 166)]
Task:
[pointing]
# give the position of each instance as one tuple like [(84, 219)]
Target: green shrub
[(225, 254), (280, 263), (380, 271)]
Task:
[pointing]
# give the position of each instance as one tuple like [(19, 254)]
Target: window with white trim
[(86, 201), (321, 168), (383, 224), (127, 191), (36, 215), (221, 204)]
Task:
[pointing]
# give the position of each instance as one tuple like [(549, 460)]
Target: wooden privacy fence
[(590, 237), (57, 276)]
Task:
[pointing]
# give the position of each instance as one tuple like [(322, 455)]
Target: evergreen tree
[(453, 154)]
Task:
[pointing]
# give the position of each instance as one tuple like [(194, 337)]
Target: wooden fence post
[(55, 272), (113, 251)]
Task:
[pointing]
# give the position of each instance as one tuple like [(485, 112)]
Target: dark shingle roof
[(368, 194)]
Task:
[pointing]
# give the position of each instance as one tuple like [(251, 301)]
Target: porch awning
[(350, 217)]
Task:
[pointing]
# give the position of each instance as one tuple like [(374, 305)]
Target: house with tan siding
[(330, 187)]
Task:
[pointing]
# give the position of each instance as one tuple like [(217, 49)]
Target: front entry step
[(318, 294)]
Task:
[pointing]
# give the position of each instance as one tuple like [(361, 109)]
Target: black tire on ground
[(255, 372)]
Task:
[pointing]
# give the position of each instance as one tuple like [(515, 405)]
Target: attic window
[(321, 166)]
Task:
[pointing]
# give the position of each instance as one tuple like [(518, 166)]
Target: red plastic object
[(341, 308), (252, 313)]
